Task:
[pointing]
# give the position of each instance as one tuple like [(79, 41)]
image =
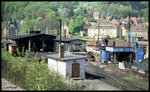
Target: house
[(115, 22), (34, 41), (71, 45), (140, 30), (124, 29), (110, 30), (96, 15), (70, 66), (133, 20)]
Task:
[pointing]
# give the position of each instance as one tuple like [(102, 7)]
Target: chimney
[(61, 47), (61, 51)]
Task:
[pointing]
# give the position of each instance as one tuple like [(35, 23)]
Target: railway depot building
[(34, 41), (71, 45)]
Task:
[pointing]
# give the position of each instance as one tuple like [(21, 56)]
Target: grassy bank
[(30, 74), (140, 83)]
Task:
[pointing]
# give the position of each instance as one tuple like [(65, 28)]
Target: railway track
[(95, 72)]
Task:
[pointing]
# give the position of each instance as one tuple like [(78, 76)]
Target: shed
[(120, 53), (36, 42), (71, 45), (69, 66)]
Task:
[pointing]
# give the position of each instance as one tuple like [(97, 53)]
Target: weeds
[(30, 74)]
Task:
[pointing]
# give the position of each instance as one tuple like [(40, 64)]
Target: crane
[(138, 53)]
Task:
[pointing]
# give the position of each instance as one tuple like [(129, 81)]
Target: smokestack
[(61, 47)]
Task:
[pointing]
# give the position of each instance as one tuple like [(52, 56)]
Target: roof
[(26, 36), (139, 28), (67, 57), (13, 45), (67, 40)]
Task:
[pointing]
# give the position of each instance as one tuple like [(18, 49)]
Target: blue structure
[(105, 56), (115, 50), (140, 54)]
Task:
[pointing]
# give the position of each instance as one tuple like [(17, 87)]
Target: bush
[(30, 74)]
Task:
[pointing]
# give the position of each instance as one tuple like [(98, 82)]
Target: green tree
[(76, 25), (146, 15)]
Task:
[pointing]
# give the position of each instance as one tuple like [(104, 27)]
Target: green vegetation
[(30, 74), (119, 39), (45, 13), (76, 25), (141, 83)]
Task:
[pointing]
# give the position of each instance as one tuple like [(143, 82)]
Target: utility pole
[(98, 33), (129, 30)]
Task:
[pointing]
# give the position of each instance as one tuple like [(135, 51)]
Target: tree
[(76, 25), (146, 14)]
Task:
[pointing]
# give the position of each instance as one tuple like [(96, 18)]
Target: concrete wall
[(65, 67), (57, 66)]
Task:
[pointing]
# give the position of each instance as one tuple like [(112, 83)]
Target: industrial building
[(34, 41)]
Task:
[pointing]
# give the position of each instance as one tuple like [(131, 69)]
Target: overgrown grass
[(30, 74), (141, 83)]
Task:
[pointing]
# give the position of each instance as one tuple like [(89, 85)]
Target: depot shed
[(71, 45), (69, 66), (34, 42)]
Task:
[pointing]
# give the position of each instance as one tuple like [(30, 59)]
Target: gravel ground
[(7, 86)]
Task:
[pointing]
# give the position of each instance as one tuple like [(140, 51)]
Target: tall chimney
[(61, 47)]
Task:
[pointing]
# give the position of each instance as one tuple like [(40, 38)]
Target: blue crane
[(138, 53)]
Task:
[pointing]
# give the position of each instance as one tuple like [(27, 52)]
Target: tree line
[(46, 13)]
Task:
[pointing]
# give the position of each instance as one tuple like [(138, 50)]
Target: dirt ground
[(7, 86)]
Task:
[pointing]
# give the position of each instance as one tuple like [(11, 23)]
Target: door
[(76, 70)]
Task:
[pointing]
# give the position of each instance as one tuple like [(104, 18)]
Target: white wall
[(57, 66), (65, 67)]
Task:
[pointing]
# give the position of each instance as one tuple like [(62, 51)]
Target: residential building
[(113, 31), (140, 30)]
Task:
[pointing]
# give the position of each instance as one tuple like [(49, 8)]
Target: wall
[(111, 32), (82, 67), (140, 34), (57, 66), (65, 67), (74, 45)]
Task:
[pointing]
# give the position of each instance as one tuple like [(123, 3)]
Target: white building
[(69, 66)]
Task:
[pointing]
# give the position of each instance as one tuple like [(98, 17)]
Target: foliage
[(30, 74), (34, 10), (76, 25)]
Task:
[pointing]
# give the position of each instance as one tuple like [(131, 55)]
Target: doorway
[(76, 70)]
